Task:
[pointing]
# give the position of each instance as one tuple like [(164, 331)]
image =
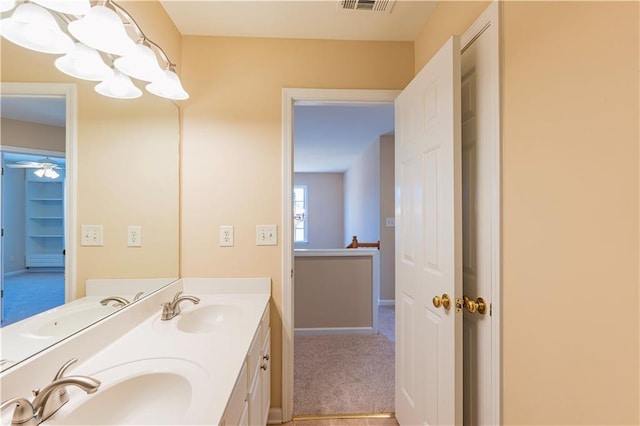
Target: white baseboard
[(275, 416), (17, 272), (391, 302), (332, 330)]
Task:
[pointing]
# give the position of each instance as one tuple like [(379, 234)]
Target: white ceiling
[(329, 138), (310, 19)]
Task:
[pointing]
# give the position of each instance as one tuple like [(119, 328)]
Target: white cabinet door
[(265, 371), (428, 244)]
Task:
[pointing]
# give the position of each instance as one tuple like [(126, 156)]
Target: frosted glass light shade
[(71, 7), (140, 63), (84, 62), (168, 86), (102, 29), (33, 27), (7, 5), (118, 86)]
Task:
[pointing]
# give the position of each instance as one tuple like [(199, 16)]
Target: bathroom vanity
[(209, 364)]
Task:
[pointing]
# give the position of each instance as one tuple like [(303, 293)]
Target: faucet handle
[(64, 368), (137, 296), (60, 395), (24, 414), (178, 294)]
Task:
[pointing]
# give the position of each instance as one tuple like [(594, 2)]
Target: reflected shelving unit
[(45, 221)]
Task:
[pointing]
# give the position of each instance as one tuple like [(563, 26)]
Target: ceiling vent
[(370, 5)]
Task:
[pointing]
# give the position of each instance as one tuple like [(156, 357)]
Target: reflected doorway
[(34, 206)]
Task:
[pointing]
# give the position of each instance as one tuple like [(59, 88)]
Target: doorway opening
[(343, 187), (37, 197), (33, 221)]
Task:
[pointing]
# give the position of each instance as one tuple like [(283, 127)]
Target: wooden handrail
[(356, 244)]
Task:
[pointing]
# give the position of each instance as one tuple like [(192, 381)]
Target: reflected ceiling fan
[(44, 168)]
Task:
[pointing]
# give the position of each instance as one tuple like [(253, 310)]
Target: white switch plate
[(226, 236), (266, 235), (134, 236), (390, 222), (91, 235)]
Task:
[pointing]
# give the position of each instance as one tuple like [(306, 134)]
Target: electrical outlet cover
[(226, 236)]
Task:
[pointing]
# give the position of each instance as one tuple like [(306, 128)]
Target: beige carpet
[(343, 375)]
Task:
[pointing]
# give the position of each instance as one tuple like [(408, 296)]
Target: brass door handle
[(477, 305), (443, 301)]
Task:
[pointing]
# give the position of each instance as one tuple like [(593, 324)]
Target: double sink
[(167, 371)]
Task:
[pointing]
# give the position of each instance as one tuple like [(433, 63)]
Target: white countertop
[(214, 359)]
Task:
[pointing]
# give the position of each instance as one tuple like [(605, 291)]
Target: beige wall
[(232, 144), (570, 206), (127, 161), (570, 224), (32, 135)]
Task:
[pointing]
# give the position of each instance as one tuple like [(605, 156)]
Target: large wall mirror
[(117, 162)]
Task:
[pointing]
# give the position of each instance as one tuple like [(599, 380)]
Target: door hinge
[(2, 232), (490, 309)]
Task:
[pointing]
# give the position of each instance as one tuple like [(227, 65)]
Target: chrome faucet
[(120, 301), (49, 399), (171, 309)]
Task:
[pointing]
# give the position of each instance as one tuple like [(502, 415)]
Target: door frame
[(491, 17), (291, 96), (69, 91)]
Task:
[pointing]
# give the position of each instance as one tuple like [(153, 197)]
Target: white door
[(428, 184)]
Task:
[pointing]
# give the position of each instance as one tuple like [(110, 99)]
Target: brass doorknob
[(443, 301), (477, 305)]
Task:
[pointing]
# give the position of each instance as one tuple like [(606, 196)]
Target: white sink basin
[(208, 318), (66, 319), (155, 391)]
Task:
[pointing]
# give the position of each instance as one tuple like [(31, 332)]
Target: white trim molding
[(289, 98), (489, 22)]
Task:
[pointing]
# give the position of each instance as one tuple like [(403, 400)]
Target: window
[(300, 219)]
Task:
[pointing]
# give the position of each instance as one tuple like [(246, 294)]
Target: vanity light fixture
[(102, 29), (71, 7), (34, 27), (85, 63), (101, 43), (118, 86), (7, 5)]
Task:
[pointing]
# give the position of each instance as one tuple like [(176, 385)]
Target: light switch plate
[(91, 235), (266, 235)]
